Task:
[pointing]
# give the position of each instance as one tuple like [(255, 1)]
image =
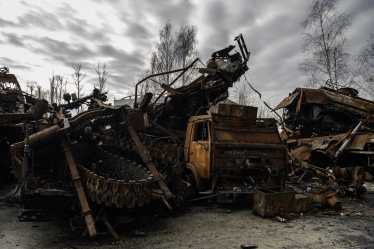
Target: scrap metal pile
[(15, 106), (126, 157), (328, 134)]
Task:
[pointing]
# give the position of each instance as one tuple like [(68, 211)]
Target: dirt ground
[(198, 225)]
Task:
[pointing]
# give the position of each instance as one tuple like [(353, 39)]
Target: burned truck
[(329, 128), (324, 111), (125, 157), (232, 151)]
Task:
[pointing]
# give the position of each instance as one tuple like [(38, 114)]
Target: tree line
[(58, 83)]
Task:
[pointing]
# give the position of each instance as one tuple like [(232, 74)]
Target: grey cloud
[(136, 30), (61, 52), (41, 19), (12, 64), (80, 28), (6, 23), (13, 39), (121, 55)]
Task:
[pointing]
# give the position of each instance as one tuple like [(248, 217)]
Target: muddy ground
[(198, 225)]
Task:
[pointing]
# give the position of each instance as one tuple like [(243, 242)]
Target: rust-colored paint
[(280, 201), (302, 153), (314, 96), (200, 154), (287, 101), (238, 142), (358, 142)]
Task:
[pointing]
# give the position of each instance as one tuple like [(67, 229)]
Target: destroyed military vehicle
[(126, 156), (330, 129), (15, 107), (324, 111)]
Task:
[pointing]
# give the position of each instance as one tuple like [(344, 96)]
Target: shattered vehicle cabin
[(125, 157)]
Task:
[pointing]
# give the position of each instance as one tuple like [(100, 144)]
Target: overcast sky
[(38, 38)]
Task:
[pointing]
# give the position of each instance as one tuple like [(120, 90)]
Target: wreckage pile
[(126, 157), (326, 163)]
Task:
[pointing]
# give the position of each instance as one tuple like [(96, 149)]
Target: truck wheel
[(195, 102)]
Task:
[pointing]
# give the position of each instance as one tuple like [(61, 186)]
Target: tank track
[(163, 149), (111, 179)]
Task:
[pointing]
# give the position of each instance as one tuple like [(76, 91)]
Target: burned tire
[(195, 102)]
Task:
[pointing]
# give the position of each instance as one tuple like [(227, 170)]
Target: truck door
[(200, 148)]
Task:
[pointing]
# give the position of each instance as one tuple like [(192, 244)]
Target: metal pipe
[(24, 166), (86, 211), (346, 142), (153, 75)]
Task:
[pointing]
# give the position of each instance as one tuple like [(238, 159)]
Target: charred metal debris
[(126, 158), (329, 136)]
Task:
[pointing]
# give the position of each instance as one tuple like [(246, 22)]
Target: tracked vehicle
[(126, 156)]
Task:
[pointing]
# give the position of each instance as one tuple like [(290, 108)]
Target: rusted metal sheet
[(273, 202), (319, 197), (302, 204), (301, 153), (333, 201), (324, 111), (45, 138), (346, 102), (287, 101), (237, 110), (348, 91), (358, 142), (169, 89), (39, 108), (315, 96), (280, 201), (368, 177), (6, 118)]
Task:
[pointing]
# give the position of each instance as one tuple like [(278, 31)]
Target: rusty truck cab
[(234, 150)]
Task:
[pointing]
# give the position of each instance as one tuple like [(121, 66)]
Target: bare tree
[(44, 94), (60, 88), (78, 76), (52, 86), (31, 85), (325, 45), (39, 91), (265, 112), (102, 76), (365, 62), (244, 96), (185, 50), (163, 54)]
